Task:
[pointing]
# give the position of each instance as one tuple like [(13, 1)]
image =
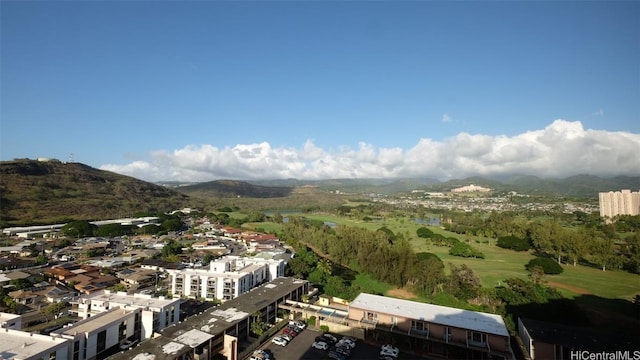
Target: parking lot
[(300, 349)]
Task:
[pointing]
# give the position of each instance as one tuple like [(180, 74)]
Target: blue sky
[(204, 90)]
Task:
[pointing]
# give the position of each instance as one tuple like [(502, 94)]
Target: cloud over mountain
[(563, 148)]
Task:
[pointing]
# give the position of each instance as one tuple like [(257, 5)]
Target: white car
[(127, 344), (321, 345), (346, 343), (281, 341), (299, 324), (260, 355), (389, 350)]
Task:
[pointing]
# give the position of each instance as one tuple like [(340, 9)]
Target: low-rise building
[(10, 321), (551, 341), (94, 337), (222, 330), (22, 345), (157, 313)]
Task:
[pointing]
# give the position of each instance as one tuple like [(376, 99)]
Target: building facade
[(95, 337), (624, 202), (226, 278), (156, 313), (222, 331)]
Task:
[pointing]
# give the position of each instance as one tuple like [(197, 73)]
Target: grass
[(371, 285), (500, 264), (269, 227)]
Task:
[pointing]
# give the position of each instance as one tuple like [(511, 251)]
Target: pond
[(435, 221)]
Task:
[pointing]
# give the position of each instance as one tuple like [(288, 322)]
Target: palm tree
[(325, 267)]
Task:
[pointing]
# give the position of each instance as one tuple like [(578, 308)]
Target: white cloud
[(446, 118), (561, 149)]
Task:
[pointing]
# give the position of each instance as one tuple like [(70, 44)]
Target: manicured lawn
[(500, 264), (269, 227)]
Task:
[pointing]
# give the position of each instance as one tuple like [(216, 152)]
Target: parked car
[(260, 355), (346, 343), (298, 324), (343, 350), (127, 344), (290, 332), (336, 356), (279, 340), (286, 337), (295, 328), (331, 337), (389, 350), (320, 345)]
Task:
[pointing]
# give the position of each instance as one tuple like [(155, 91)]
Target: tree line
[(568, 238)]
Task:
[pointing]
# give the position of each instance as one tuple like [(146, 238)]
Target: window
[(447, 334), (122, 331), (371, 316), (477, 338), (52, 355), (76, 350), (102, 341), (419, 326)]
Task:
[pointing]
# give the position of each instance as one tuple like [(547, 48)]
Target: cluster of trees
[(387, 257), (458, 248), (571, 238), (82, 228)]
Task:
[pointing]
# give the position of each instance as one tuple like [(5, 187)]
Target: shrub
[(423, 232), (513, 243), (465, 250), (324, 328), (550, 266), (311, 321)]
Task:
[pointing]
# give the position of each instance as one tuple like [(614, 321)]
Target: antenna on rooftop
[(71, 158)]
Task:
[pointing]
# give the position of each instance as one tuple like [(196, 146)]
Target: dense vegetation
[(35, 192)]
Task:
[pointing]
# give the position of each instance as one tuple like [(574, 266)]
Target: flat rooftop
[(448, 316), (96, 322), (135, 300), (211, 323), (16, 344)]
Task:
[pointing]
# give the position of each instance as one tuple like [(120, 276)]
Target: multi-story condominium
[(16, 344), (98, 335), (226, 278), (157, 313), (433, 329), (624, 202)]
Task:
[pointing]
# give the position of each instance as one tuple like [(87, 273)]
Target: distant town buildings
[(624, 202), (470, 188)]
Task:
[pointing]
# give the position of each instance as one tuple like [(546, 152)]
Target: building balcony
[(419, 333)]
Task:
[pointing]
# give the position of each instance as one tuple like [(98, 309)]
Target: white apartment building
[(16, 344), (624, 202), (156, 314), (10, 321), (226, 277), (91, 337), (471, 188)]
